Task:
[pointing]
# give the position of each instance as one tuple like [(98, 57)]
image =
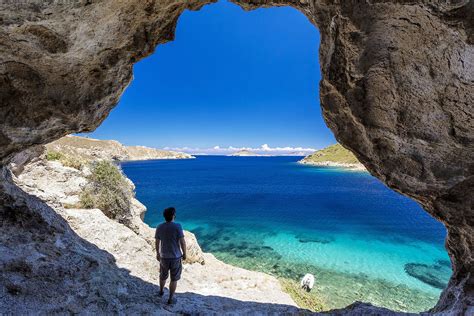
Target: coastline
[(132, 245), (89, 149), (348, 166), (349, 265)]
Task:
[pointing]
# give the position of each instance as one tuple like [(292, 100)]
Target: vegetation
[(54, 155), (309, 300), (65, 160), (334, 153), (108, 190)]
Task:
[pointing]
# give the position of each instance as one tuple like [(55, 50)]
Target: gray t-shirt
[(169, 234)]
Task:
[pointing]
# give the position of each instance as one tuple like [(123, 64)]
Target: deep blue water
[(334, 221)]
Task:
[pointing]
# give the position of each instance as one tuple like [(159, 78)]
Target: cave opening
[(74, 59), (265, 65)]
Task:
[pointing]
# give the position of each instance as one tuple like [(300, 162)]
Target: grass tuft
[(65, 160)]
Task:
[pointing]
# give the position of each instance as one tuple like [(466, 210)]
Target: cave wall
[(397, 89)]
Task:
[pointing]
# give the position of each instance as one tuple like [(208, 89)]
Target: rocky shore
[(207, 286), (349, 166)]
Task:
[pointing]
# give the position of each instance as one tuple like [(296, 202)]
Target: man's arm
[(157, 245), (182, 243)]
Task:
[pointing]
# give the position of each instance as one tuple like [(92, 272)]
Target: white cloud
[(263, 149)]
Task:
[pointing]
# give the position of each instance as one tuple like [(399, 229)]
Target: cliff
[(207, 285), (333, 156), (93, 149)]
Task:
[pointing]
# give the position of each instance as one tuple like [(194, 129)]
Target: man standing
[(169, 238)]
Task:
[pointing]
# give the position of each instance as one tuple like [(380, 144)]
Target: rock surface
[(60, 187), (397, 89), (94, 149), (80, 261), (214, 278), (209, 285)]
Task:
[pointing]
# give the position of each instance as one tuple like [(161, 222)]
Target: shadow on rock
[(47, 268)]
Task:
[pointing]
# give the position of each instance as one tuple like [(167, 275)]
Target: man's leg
[(173, 285), (176, 268), (162, 286), (164, 268)]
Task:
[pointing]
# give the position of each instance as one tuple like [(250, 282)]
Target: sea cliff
[(207, 285)]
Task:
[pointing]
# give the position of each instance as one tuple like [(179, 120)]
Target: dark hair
[(169, 213)]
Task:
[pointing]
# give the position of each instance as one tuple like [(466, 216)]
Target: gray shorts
[(170, 265)]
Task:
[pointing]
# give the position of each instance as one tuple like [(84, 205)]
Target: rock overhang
[(397, 89)]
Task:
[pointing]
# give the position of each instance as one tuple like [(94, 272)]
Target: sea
[(361, 240)]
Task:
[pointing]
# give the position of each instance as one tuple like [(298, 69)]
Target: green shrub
[(54, 155), (108, 190)]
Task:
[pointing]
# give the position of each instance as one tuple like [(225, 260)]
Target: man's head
[(169, 214)]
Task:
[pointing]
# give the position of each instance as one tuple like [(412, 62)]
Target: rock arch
[(397, 89)]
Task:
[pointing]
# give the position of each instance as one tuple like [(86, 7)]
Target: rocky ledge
[(207, 285)]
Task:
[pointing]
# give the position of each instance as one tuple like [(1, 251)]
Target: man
[(169, 238)]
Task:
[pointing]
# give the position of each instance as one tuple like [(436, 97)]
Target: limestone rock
[(193, 250), (59, 185), (21, 159), (107, 267), (53, 182)]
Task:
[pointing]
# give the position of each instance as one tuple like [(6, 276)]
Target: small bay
[(361, 240)]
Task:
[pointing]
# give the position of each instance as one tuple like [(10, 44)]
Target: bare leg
[(173, 285), (162, 286)]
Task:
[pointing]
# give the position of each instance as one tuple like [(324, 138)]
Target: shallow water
[(274, 215)]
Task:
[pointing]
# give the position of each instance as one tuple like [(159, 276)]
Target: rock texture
[(94, 149), (397, 89), (60, 186), (68, 261), (132, 246)]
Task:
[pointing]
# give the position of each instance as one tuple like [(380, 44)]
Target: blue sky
[(230, 78)]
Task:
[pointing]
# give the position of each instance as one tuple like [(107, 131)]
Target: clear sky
[(230, 78)]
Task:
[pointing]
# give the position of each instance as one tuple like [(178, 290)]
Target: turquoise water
[(361, 240)]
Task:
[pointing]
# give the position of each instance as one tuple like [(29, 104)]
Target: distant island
[(92, 149), (333, 156), (246, 153)]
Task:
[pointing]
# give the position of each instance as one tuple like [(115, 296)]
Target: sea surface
[(361, 240)]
